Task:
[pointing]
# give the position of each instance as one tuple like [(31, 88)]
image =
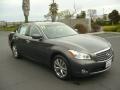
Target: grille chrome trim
[(103, 55), (105, 60), (102, 50)]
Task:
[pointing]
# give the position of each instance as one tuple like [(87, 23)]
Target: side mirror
[(76, 30), (37, 36), (12, 32)]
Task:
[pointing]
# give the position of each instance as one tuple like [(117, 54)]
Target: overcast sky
[(11, 10)]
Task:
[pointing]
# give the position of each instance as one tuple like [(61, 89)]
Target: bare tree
[(66, 14), (26, 9)]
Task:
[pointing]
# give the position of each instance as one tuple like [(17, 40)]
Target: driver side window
[(34, 31), (23, 30)]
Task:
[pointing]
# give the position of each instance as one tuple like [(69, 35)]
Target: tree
[(99, 21), (114, 17), (105, 16), (81, 15), (66, 14), (77, 16), (53, 11), (26, 9)]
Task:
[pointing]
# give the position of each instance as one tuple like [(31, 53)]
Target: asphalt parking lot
[(24, 74)]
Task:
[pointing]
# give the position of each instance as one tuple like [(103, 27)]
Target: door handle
[(28, 41)]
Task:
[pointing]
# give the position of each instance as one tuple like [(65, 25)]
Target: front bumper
[(86, 69)]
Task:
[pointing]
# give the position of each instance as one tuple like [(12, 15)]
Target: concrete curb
[(113, 32), (102, 32), (97, 32)]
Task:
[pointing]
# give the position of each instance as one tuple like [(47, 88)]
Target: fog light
[(84, 71)]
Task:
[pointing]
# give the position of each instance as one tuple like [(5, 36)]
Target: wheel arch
[(11, 44), (55, 54)]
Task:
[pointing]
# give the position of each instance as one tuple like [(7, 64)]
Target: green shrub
[(118, 28), (110, 28), (95, 27), (11, 28), (99, 22)]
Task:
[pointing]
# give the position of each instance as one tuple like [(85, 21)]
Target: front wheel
[(61, 67), (15, 51)]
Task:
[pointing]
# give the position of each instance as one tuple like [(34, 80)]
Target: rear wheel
[(61, 67), (15, 51)]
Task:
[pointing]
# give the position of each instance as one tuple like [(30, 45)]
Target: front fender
[(10, 38)]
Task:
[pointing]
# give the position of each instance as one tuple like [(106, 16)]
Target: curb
[(97, 32), (102, 32)]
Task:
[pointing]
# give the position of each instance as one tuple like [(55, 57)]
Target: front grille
[(104, 55)]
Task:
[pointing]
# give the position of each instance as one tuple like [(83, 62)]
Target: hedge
[(111, 28), (11, 28)]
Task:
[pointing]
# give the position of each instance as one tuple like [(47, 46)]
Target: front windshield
[(57, 31)]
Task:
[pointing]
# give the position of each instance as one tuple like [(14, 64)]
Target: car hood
[(83, 42)]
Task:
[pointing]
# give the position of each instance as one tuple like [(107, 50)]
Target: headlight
[(78, 55)]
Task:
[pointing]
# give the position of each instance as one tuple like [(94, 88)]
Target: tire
[(15, 52), (61, 67)]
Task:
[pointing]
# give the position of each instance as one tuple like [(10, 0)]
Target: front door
[(37, 49)]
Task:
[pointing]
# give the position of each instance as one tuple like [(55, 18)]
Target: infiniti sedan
[(62, 49)]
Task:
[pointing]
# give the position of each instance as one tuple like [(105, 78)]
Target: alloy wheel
[(15, 52), (60, 68)]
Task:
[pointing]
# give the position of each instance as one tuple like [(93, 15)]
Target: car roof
[(47, 23), (43, 23)]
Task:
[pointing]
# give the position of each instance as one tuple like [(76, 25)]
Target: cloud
[(11, 10)]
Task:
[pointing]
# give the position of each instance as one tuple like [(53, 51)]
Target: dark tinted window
[(28, 32)]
